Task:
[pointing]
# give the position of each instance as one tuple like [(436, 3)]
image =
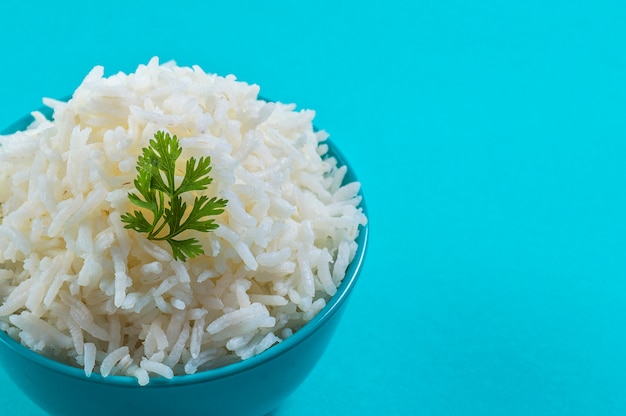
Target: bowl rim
[(307, 330)]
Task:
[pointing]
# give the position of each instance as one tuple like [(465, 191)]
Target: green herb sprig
[(160, 195)]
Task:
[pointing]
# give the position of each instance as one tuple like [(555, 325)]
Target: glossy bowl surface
[(251, 387)]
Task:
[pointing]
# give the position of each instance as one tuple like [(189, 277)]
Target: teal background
[(490, 141)]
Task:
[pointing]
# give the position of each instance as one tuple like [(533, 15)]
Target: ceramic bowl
[(254, 386)]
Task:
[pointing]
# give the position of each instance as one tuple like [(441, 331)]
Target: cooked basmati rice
[(77, 286)]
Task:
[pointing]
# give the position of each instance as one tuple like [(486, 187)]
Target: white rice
[(79, 287)]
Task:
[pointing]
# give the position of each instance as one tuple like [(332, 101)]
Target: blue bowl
[(254, 386)]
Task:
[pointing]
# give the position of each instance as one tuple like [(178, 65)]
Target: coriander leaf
[(196, 177), (186, 248), (137, 221), (159, 194)]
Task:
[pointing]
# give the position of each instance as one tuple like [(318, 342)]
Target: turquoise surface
[(490, 141)]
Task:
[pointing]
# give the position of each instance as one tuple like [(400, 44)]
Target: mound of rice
[(77, 286)]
